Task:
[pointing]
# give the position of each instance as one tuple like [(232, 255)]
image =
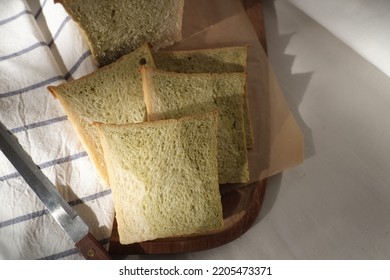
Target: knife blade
[(62, 213)]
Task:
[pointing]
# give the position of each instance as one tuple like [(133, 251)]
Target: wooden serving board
[(241, 206), (240, 209)]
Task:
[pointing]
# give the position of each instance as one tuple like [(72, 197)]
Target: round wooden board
[(240, 209), (240, 206)]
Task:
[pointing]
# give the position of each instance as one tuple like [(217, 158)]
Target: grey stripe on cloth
[(50, 80), (23, 218), (63, 160), (70, 252), (61, 255), (21, 52), (77, 65), (37, 214), (39, 12), (9, 176), (62, 25), (89, 197), (38, 124), (31, 87), (24, 12), (38, 44), (48, 164), (7, 20)]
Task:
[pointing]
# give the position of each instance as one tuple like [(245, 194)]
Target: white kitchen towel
[(41, 46), (362, 25)]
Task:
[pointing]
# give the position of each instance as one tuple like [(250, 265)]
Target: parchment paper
[(278, 139)]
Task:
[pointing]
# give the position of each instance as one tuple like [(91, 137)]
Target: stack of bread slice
[(164, 131), (173, 95), (217, 60)]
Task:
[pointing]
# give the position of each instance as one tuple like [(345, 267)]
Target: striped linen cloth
[(40, 45)]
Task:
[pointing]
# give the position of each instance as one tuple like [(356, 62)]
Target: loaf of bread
[(112, 94), (164, 176), (216, 60), (116, 27), (172, 95)]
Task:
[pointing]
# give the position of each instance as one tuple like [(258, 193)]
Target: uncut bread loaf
[(216, 60), (173, 95), (112, 94), (116, 27), (164, 176)]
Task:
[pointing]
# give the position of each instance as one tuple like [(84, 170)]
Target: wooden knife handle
[(91, 249)]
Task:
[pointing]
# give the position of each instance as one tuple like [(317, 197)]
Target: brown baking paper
[(278, 139)]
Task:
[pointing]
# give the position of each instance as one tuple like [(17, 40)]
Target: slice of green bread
[(164, 176), (112, 94), (173, 95), (116, 27), (217, 60)]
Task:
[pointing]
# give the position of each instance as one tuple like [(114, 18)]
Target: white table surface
[(336, 204)]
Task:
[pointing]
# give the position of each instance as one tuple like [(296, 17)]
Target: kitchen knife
[(64, 215)]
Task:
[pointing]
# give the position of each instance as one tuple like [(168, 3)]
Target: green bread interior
[(117, 27)]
